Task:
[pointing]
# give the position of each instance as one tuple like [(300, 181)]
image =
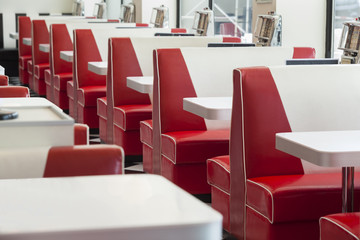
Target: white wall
[(32, 8), (304, 23)]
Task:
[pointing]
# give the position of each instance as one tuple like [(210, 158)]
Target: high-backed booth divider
[(61, 71), (24, 26), (61, 161), (92, 45), (274, 195), (183, 141), (126, 107)]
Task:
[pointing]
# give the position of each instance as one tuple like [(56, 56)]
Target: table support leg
[(347, 189)]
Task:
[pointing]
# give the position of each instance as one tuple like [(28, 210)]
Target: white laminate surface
[(44, 47), (27, 41), (67, 56), (104, 207), (98, 67), (326, 148), (40, 123), (141, 84), (14, 35), (212, 108), (2, 70)]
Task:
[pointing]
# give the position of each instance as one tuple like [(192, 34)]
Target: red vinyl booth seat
[(102, 113), (60, 87), (4, 80), (30, 74), (344, 226), (14, 91), (84, 161), (70, 93), (128, 117), (146, 138), (218, 172)]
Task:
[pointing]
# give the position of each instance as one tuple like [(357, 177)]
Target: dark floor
[(131, 167)]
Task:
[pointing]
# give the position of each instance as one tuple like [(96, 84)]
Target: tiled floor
[(131, 167)]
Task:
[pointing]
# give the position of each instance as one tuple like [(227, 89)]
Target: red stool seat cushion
[(295, 197), (344, 226), (4, 80), (87, 96), (60, 81), (146, 132), (185, 147), (128, 117), (218, 172)]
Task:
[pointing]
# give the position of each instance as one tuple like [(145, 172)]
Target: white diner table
[(2, 70), (44, 47), (98, 67), (27, 41), (211, 108), (40, 123), (328, 149), (121, 207), (141, 84), (14, 35), (67, 56)]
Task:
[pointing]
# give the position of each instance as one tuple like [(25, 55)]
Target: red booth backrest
[(24, 25), (59, 41), (40, 35), (14, 91)]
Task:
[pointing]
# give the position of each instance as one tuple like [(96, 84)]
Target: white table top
[(2, 70), (44, 47), (25, 102), (98, 67), (212, 108), (141, 84), (67, 55), (327, 148), (14, 35), (104, 207), (27, 41)]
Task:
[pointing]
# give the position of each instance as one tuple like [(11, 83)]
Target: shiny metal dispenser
[(160, 17), (268, 30), (349, 42), (128, 13), (204, 22)]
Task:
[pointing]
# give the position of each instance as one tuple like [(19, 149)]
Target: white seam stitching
[(212, 185), (346, 230), (212, 160), (272, 198), (258, 212)]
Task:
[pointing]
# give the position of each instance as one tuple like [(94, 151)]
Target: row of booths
[(208, 118)]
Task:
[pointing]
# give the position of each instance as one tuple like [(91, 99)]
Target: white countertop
[(327, 148), (27, 41), (141, 84), (2, 70), (98, 67), (14, 35), (67, 56), (121, 207), (29, 102), (212, 108), (44, 47)]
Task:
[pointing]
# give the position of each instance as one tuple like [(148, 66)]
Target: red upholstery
[(304, 52), (178, 30), (124, 63), (102, 113), (185, 141), (128, 117), (24, 29), (146, 138), (30, 74), (4, 80), (40, 35), (49, 82), (70, 93), (88, 85), (232, 39), (14, 91), (81, 134), (141, 25), (344, 226), (218, 172), (84, 160), (61, 70), (60, 85), (271, 197), (113, 20)]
